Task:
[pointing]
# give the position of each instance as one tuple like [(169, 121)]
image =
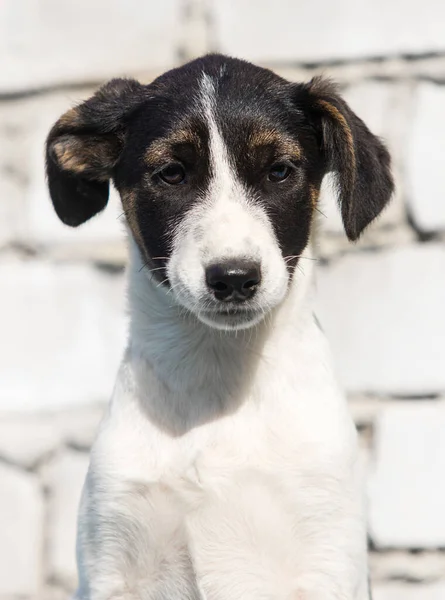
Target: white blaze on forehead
[(236, 226), (224, 184)]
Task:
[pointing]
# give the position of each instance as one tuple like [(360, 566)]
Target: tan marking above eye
[(162, 150), (263, 137), (185, 136), (159, 151), (284, 145)]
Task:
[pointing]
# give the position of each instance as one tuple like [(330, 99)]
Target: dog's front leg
[(332, 532), (131, 544)]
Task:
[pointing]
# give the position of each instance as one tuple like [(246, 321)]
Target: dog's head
[(219, 165)]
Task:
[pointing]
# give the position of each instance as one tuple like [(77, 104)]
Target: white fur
[(226, 467)]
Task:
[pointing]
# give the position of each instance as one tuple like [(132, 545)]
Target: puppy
[(226, 467)]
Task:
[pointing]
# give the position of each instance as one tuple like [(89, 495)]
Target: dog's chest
[(222, 453), (240, 493), (273, 433), (254, 457), (234, 488)]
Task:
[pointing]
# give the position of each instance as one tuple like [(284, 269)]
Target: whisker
[(153, 258), (286, 258), (320, 211), (145, 265), (125, 212), (163, 281)]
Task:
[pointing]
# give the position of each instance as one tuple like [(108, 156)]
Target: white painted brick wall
[(397, 591), (54, 43), (63, 331), (381, 301), (290, 31), (22, 533), (425, 154), (383, 314), (407, 485), (65, 478)]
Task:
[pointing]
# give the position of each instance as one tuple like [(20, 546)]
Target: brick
[(424, 161), (63, 334), (12, 179), (65, 478), (52, 592), (407, 488), (364, 409), (295, 31), (11, 210), (21, 539), (78, 427), (391, 68), (401, 591), (55, 44), (330, 245), (407, 566), (383, 314), (27, 439)]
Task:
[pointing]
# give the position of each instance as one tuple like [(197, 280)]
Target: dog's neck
[(188, 356)]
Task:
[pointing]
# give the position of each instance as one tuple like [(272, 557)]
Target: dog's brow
[(162, 148), (271, 137)]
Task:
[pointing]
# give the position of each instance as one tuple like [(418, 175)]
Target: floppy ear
[(358, 159), (83, 148)]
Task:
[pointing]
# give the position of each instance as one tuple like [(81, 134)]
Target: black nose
[(233, 281)]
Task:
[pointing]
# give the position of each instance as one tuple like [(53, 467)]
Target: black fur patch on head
[(131, 133)]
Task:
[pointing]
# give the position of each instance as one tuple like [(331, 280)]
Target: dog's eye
[(279, 172), (173, 174)]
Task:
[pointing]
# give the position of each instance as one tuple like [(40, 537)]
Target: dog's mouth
[(231, 318)]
